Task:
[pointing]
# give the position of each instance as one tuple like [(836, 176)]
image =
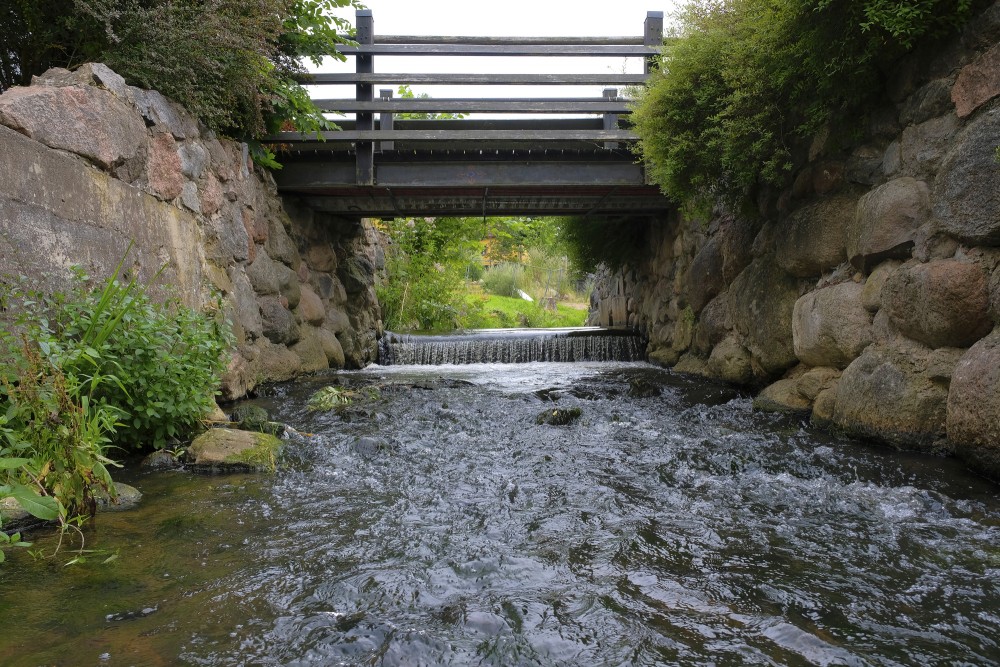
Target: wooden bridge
[(538, 164)]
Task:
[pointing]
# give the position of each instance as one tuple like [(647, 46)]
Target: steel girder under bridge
[(571, 156)]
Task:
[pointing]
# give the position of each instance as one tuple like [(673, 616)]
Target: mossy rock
[(126, 497), (558, 417), (254, 418), (229, 450), (249, 413), (15, 518)]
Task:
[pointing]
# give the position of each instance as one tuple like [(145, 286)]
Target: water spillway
[(512, 346)]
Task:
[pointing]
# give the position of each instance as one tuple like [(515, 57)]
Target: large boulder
[(730, 362), (923, 146), (163, 167), (811, 239), (894, 394), (717, 262), (84, 120), (229, 450), (830, 327), (966, 194), (713, 325), (782, 396), (246, 310), (974, 406), (310, 308), (265, 274), (761, 301), (705, 279), (943, 303), (356, 273), (278, 323), (930, 101), (275, 363), (886, 222), (310, 350), (977, 83), (871, 294), (331, 347)]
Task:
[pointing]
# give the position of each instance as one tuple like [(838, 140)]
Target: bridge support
[(385, 120), (365, 156), (653, 36)]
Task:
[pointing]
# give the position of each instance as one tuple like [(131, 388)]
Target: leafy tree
[(746, 82)]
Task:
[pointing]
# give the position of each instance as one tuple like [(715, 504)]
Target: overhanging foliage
[(747, 82)]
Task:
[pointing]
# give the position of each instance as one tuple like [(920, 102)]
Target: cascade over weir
[(511, 346)]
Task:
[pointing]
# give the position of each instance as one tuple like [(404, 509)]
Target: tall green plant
[(426, 267), (88, 369)]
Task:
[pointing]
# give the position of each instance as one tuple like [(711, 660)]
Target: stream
[(434, 522)]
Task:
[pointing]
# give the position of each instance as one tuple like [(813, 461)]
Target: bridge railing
[(377, 130)]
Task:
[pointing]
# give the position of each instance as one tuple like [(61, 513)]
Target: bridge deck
[(380, 165)]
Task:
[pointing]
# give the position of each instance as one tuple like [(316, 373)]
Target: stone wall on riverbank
[(91, 164), (868, 293)]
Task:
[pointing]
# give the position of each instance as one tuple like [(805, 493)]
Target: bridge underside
[(412, 181)]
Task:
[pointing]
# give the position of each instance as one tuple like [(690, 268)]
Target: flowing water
[(512, 346), (434, 522)]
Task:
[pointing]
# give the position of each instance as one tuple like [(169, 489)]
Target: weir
[(512, 346)]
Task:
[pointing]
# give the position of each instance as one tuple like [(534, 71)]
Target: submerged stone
[(161, 460), (254, 418), (558, 416)]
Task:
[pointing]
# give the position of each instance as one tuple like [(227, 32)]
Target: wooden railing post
[(652, 35), (611, 119), (385, 120), (365, 159)]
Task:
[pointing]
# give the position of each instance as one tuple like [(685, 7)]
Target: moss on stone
[(262, 456), (223, 450)]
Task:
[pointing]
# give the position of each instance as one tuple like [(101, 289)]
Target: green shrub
[(504, 279), (746, 83), (155, 365), (591, 242), (92, 368)]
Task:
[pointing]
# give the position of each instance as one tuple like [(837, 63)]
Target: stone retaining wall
[(868, 294), (90, 164)]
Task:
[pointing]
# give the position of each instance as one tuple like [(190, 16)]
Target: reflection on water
[(438, 524)]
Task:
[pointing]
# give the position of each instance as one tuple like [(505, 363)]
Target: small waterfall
[(512, 346)]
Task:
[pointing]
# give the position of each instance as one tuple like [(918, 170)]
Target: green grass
[(501, 312)]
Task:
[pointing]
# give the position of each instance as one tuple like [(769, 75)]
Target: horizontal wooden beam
[(303, 177), (454, 135), (389, 203), (471, 105), (509, 41), (475, 79), (463, 50)]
